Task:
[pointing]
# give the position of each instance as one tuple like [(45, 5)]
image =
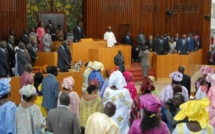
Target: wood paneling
[(149, 15), (12, 16)]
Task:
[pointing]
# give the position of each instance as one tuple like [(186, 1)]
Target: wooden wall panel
[(12, 16), (150, 16)]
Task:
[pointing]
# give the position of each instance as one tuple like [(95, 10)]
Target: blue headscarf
[(4, 86)]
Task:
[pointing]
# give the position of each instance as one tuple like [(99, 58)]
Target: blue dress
[(7, 118)]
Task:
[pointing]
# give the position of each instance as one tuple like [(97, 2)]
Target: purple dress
[(135, 128)]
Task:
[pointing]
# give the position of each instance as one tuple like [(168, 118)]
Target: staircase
[(136, 70)]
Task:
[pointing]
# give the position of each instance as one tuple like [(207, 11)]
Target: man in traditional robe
[(110, 37)]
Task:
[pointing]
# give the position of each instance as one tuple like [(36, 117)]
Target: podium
[(163, 65), (106, 55)]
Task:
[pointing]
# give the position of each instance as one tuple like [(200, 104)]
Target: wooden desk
[(163, 65), (49, 58), (15, 84), (106, 55)]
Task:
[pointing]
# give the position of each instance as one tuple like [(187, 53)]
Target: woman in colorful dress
[(38, 78), (67, 85), (7, 109), (167, 92), (90, 102), (151, 123), (130, 84), (120, 96), (40, 33), (29, 119), (198, 118)]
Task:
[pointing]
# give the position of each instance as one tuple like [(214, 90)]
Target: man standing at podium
[(110, 37)]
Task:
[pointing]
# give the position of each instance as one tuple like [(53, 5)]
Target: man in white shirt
[(47, 41), (110, 37)]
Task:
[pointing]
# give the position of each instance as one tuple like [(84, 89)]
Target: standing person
[(40, 34), (86, 74), (33, 37), (38, 78), (144, 55), (141, 40), (191, 42), (198, 118), (63, 61), (110, 37), (68, 51), (51, 27), (150, 43), (90, 103), (211, 57), (78, 32), (11, 54), (101, 123), (59, 33), (22, 59), (172, 46), (106, 82), (25, 38), (61, 119), (119, 61), (186, 81), (50, 89), (26, 77), (130, 84), (150, 123), (121, 98), (47, 41), (183, 45), (168, 91), (29, 119), (127, 39), (7, 108), (4, 67), (67, 86), (33, 51)]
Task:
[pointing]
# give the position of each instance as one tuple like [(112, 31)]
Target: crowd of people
[(108, 106)]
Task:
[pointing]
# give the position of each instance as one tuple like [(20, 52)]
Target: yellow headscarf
[(195, 110)]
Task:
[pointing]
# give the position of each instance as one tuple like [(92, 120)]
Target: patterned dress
[(29, 120), (89, 107), (122, 99)]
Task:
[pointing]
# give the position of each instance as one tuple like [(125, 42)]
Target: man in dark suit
[(191, 43), (127, 39), (32, 52), (61, 119), (50, 89), (211, 57), (4, 68), (150, 43), (161, 45), (51, 27), (186, 81), (22, 58), (63, 61), (68, 51), (183, 45), (78, 33), (119, 61), (25, 38), (11, 53)]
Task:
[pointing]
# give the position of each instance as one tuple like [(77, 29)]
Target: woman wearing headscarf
[(29, 119), (7, 108), (120, 96), (90, 102), (130, 84), (198, 118), (211, 95), (38, 78), (147, 87), (167, 92), (67, 85), (150, 123), (86, 74), (204, 70), (96, 73)]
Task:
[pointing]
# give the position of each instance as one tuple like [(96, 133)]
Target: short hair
[(28, 67), (177, 89), (52, 70), (38, 78), (64, 99), (91, 88)]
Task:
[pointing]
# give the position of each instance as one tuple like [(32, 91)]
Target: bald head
[(181, 69), (110, 109)]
